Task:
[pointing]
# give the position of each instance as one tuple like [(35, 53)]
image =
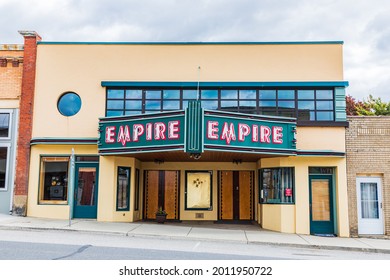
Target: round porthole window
[(69, 104)]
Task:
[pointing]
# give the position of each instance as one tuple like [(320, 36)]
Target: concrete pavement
[(198, 231)]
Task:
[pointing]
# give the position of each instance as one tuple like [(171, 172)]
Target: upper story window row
[(307, 105)]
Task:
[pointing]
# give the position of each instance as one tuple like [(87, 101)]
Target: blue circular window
[(69, 104)]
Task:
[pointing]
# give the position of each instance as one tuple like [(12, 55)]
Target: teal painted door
[(321, 204), (86, 190)]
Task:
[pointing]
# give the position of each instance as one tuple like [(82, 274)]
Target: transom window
[(303, 104)]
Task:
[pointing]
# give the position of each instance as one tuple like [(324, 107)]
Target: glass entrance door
[(86, 190)]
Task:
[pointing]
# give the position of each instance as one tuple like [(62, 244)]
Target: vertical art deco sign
[(198, 190)]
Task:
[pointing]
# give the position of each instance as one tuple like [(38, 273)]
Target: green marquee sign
[(141, 133), (196, 130)]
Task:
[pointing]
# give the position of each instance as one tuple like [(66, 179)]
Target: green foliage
[(373, 107), (370, 107)]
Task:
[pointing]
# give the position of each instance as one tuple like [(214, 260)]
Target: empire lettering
[(239, 132), (137, 132)]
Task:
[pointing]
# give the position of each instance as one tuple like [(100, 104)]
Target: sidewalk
[(198, 231)]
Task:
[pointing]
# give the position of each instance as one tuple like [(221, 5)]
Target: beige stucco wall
[(321, 138), (277, 217), (82, 67)]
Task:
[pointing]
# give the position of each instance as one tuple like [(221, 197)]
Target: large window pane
[(277, 185), (114, 113), (134, 105), (267, 94), (248, 104), (123, 189), (54, 178), (306, 105), (171, 105), (229, 94), (325, 116), (267, 103), (324, 105), (286, 94), (115, 104), (324, 94), (153, 94), (4, 124), (171, 94), (3, 167), (209, 94), (191, 94), (248, 94), (153, 105), (305, 94), (286, 104), (133, 94), (115, 94), (229, 104), (209, 104)]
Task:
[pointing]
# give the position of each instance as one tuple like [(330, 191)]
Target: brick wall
[(368, 153), (11, 69), (25, 122)]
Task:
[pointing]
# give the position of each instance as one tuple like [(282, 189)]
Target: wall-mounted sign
[(135, 134), (224, 131), (196, 130)]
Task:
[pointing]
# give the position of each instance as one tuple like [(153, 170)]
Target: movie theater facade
[(224, 132)]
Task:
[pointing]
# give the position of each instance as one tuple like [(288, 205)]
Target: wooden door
[(161, 190), (236, 195), (226, 195)]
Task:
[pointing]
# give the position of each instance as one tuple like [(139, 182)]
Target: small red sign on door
[(288, 192)]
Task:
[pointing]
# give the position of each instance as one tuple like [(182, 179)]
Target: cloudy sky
[(363, 25)]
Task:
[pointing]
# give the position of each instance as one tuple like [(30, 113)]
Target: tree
[(355, 106), (373, 107), (370, 107)]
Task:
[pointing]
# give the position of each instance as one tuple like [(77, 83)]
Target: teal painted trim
[(222, 84), (194, 125), (195, 43), (340, 104)]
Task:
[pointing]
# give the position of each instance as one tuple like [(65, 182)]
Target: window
[(123, 189), (277, 185), (54, 179), (3, 167), (198, 190), (4, 124), (306, 105), (69, 104)]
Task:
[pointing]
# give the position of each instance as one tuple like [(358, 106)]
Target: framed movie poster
[(198, 190)]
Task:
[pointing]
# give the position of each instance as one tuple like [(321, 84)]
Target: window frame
[(277, 202), (128, 169), (256, 109), (41, 194), (187, 191)]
